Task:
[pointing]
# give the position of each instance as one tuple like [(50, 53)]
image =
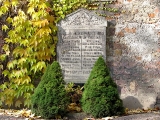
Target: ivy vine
[(31, 42)]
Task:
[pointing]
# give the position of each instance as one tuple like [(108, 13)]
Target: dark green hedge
[(100, 97), (50, 98)]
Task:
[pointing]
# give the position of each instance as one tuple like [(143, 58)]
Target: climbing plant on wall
[(31, 42)]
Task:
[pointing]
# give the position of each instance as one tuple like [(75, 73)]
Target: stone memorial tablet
[(82, 39)]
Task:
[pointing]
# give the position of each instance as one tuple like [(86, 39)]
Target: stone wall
[(134, 51)]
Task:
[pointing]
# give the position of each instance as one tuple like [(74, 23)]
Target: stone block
[(151, 15), (82, 39), (120, 34), (117, 45), (130, 30), (138, 58), (118, 52)]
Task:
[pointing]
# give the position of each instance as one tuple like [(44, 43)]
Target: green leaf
[(9, 20), (18, 103), (5, 47), (3, 86), (30, 10), (9, 102), (18, 81), (14, 2), (4, 9), (3, 57), (27, 102), (5, 27), (27, 95), (41, 65), (6, 3), (26, 80), (38, 67), (21, 61), (19, 73), (5, 73), (19, 92), (11, 64)]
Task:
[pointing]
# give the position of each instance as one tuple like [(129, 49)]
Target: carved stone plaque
[(82, 39)]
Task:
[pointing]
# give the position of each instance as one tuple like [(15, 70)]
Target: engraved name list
[(78, 49)]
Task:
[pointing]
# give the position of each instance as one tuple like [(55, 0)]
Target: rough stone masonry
[(134, 51)]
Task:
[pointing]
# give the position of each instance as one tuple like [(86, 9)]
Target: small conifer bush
[(100, 97), (50, 98)]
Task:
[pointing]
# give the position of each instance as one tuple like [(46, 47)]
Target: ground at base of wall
[(144, 116), (24, 114)]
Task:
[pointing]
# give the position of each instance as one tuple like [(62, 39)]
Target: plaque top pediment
[(83, 17)]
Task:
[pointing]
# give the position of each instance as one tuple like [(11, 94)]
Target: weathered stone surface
[(82, 39), (132, 48), (117, 52), (137, 34)]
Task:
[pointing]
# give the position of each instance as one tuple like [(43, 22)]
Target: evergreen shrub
[(50, 98), (100, 97)]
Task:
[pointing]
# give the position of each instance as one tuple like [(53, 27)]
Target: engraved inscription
[(78, 51), (82, 39)]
